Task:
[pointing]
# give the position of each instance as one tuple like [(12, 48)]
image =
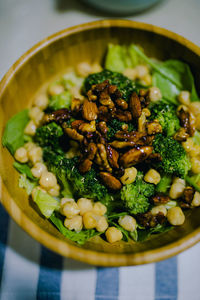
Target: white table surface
[(25, 22)]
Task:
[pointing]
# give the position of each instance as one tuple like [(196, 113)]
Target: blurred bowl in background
[(121, 6)]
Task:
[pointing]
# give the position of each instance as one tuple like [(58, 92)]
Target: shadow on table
[(79, 5)]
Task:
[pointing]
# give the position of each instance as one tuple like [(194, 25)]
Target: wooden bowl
[(51, 57)]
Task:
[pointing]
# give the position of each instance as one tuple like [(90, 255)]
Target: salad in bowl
[(112, 150)]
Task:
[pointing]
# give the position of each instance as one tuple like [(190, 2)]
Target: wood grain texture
[(41, 64)]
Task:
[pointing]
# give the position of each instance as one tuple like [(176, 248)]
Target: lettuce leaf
[(46, 203), (26, 183), (79, 237), (13, 136), (24, 169)]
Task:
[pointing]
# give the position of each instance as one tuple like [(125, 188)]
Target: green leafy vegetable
[(13, 136), (26, 183), (136, 195), (60, 101), (79, 237), (24, 169), (171, 204), (171, 77), (193, 181), (196, 137), (145, 234), (45, 202)]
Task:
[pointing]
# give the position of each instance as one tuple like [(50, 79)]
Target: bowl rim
[(60, 246)]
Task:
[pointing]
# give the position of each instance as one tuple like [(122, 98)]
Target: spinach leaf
[(145, 234), (79, 237), (13, 136), (24, 169), (171, 77)]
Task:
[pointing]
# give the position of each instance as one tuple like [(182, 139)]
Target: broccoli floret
[(49, 135), (60, 101), (123, 83), (66, 171), (166, 115), (136, 195), (174, 158), (115, 125), (164, 184)]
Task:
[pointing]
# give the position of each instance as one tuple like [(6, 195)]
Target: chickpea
[(54, 191), (184, 98), (195, 151), (152, 176), (102, 224), (129, 175), (83, 69), (127, 222), (74, 223), (175, 216), (84, 205), (29, 146), (130, 73), (55, 89), (70, 209), (188, 145), (177, 188), (146, 80), (90, 220), (48, 180), (65, 200), (36, 115), (196, 199), (99, 208), (113, 235), (21, 155), (141, 71), (154, 94), (96, 68), (38, 169), (195, 108), (30, 128), (195, 165), (41, 101), (159, 209), (35, 155)]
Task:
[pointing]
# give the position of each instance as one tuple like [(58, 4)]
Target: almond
[(90, 110)]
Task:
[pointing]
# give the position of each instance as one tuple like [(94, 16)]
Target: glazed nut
[(181, 135), (154, 94), (110, 181), (75, 104), (154, 127), (196, 199), (74, 223), (152, 176), (159, 209), (142, 122), (90, 220), (175, 216), (84, 205), (30, 128), (89, 111), (129, 175), (70, 209), (127, 222), (184, 98), (88, 127), (147, 112), (73, 134), (21, 155), (85, 166), (102, 224), (48, 180), (99, 208), (135, 105), (135, 155), (113, 235)]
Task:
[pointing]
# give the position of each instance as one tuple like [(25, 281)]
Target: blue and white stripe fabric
[(29, 271)]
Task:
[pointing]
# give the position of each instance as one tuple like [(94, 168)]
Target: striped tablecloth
[(30, 271)]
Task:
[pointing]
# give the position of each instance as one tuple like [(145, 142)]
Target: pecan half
[(103, 158), (122, 144), (75, 124), (73, 134), (135, 105), (112, 156), (148, 220), (123, 116), (59, 116), (153, 127), (85, 166), (188, 194), (75, 105), (90, 110), (88, 127), (186, 120), (121, 103), (110, 181), (135, 156), (91, 151), (160, 199), (181, 135), (103, 127)]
